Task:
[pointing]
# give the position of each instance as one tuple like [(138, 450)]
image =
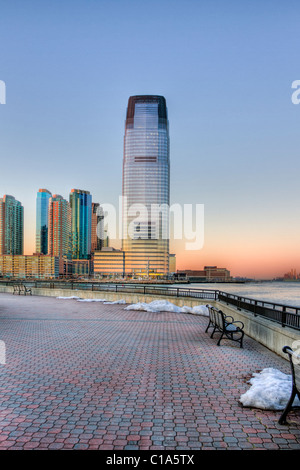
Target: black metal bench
[(226, 325), (21, 289), (295, 368)]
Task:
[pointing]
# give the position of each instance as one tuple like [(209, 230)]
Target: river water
[(286, 293)]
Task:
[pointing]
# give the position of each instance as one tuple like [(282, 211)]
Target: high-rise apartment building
[(97, 228), (42, 204), (146, 185), (11, 226), (59, 227), (81, 225)]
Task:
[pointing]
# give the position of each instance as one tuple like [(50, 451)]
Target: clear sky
[(225, 69)]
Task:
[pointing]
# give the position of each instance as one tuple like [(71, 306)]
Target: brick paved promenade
[(82, 375)]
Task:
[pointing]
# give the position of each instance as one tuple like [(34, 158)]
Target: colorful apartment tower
[(11, 226), (59, 227)]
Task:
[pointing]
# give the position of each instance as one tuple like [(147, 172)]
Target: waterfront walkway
[(84, 375)]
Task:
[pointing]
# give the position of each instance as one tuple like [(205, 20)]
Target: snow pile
[(270, 390), (165, 306), (67, 298), (116, 302), (155, 306), (197, 310), (91, 300)]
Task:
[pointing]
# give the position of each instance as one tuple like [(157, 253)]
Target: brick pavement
[(82, 375)]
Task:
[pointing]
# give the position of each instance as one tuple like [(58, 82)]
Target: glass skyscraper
[(11, 226), (97, 228), (146, 185), (81, 225), (42, 203)]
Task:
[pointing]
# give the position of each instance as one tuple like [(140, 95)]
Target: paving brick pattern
[(82, 375)]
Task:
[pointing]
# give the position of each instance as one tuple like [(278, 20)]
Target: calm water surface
[(287, 293)]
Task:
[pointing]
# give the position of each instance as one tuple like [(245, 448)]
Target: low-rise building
[(208, 274), (36, 266), (109, 261)]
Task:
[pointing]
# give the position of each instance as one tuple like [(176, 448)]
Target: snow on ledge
[(270, 390)]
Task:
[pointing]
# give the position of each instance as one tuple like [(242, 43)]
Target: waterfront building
[(109, 261), (11, 226), (36, 266), (81, 223), (146, 185), (172, 263), (208, 274), (42, 204), (82, 268)]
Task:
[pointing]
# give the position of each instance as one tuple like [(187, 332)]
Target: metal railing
[(282, 314)]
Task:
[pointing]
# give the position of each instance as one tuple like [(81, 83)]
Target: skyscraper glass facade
[(81, 226), (146, 185), (97, 228), (11, 226), (42, 202)]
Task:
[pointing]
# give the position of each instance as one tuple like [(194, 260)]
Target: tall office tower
[(41, 239), (81, 226), (59, 227), (146, 183), (11, 226), (97, 227)]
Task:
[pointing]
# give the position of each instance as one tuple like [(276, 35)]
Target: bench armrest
[(231, 319)]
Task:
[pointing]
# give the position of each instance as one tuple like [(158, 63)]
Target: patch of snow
[(91, 300), (116, 302), (197, 310), (67, 298), (270, 390), (165, 306)]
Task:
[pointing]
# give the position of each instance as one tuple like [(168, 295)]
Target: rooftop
[(88, 375)]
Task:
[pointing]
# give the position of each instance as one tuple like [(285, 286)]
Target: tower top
[(133, 100)]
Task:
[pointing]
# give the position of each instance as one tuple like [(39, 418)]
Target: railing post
[(283, 317)]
